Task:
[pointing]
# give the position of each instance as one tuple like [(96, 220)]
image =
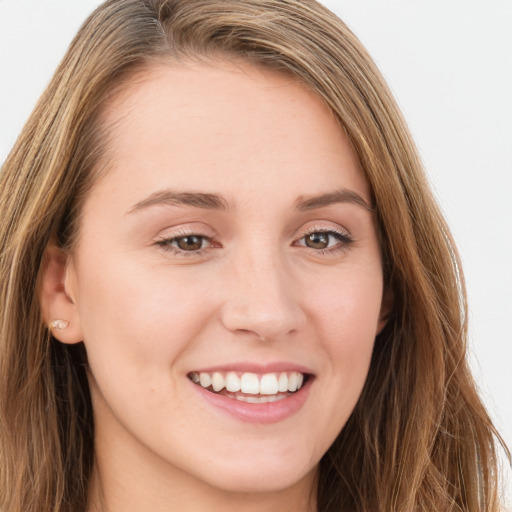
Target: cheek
[(348, 306), (137, 313), (345, 316), (137, 322)]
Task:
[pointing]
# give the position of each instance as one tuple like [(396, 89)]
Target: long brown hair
[(419, 438)]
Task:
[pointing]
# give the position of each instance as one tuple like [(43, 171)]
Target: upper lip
[(256, 368)]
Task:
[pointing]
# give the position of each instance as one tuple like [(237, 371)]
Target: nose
[(260, 299)]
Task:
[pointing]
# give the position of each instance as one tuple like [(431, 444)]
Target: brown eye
[(186, 245), (324, 241), (190, 243), (317, 240)]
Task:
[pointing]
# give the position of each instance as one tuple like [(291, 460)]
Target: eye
[(325, 240), (188, 243)]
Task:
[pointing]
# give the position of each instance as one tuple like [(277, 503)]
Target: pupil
[(190, 243), (317, 240)]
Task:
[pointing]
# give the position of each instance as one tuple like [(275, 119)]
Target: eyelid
[(197, 228), (180, 232), (315, 228)]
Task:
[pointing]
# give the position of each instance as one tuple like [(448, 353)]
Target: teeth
[(232, 382), (269, 384), (283, 383), (205, 380), (259, 399), (249, 383), (292, 382), (218, 382)]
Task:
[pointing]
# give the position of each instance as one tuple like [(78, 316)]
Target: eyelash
[(345, 241)]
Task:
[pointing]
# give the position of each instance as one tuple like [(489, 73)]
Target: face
[(228, 257)]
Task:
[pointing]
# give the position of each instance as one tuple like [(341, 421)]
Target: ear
[(386, 308), (57, 295)]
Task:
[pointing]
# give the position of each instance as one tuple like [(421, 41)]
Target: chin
[(259, 476)]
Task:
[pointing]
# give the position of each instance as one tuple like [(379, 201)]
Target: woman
[(225, 283)]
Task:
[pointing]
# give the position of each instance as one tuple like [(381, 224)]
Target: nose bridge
[(260, 298)]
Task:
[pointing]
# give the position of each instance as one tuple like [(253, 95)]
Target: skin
[(254, 293)]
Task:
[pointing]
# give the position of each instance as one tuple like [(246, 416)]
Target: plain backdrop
[(449, 64)]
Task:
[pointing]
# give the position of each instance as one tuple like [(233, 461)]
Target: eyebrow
[(306, 203), (172, 198), (209, 201)]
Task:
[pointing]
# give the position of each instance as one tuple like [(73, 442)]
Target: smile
[(250, 387)]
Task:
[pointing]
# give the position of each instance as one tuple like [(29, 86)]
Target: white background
[(449, 64)]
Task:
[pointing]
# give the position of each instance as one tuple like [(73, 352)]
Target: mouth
[(251, 387)]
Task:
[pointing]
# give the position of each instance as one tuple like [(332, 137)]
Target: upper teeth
[(251, 383)]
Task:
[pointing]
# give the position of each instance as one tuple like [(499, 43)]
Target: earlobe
[(58, 324), (57, 292)]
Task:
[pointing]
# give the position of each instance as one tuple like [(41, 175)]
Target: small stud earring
[(58, 324)]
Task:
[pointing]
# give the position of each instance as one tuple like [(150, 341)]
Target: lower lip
[(269, 412)]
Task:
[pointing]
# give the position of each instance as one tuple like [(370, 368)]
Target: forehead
[(221, 123)]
